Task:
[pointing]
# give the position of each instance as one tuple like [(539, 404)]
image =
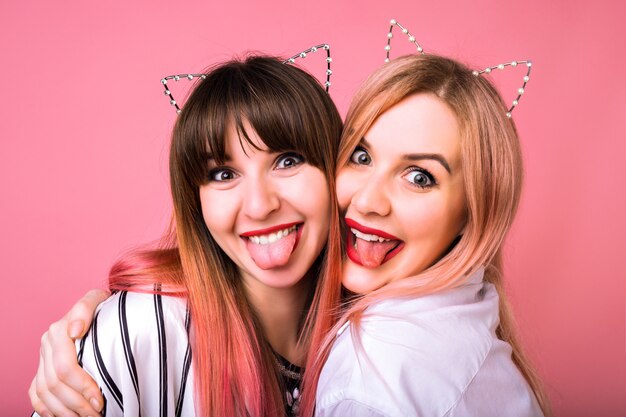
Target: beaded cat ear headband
[(303, 54), (314, 49), (487, 70)]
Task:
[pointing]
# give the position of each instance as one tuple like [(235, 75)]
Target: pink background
[(84, 148)]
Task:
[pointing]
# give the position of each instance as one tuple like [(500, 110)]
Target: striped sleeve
[(138, 352)]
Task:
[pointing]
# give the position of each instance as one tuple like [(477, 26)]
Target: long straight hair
[(235, 372), (492, 168)]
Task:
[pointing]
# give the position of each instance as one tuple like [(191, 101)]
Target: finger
[(63, 351), (81, 314), (74, 396), (50, 403), (38, 405)]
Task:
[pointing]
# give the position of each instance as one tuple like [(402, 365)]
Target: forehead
[(243, 142), (421, 123)]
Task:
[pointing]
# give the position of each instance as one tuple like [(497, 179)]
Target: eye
[(418, 177), (221, 175), (360, 157), (289, 160)]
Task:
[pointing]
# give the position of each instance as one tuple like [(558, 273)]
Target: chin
[(361, 280)]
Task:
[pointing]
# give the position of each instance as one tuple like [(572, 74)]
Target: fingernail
[(46, 414), (76, 328), (95, 404)]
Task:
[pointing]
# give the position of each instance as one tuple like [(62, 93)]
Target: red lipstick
[(269, 229), (370, 231), (351, 251)]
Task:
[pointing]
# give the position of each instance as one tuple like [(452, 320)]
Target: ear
[(393, 23), (520, 90), (176, 78), (313, 49)]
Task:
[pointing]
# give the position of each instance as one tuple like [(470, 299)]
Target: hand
[(61, 387)]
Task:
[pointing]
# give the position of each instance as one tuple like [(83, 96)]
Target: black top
[(291, 378)]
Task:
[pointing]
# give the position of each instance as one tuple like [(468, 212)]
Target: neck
[(280, 312)]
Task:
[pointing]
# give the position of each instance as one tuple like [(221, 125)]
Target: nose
[(372, 198), (261, 199)]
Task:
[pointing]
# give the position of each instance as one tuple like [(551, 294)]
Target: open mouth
[(272, 247), (370, 247)]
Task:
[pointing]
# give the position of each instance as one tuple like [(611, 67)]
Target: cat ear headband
[(487, 70), (303, 54)]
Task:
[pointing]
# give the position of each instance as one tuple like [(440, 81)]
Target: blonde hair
[(492, 169)]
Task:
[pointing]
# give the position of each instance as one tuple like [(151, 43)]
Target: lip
[(270, 229), (245, 237), (352, 253), (370, 231)]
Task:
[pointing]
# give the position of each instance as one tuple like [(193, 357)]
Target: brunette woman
[(218, 321)]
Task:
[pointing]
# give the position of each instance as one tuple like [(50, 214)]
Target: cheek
[(347, 185), (419, 219), (314, 202), (218, 208), (457, 210), (433, 222)]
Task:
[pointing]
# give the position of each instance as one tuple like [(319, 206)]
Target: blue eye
[(221, 175), (360, 157), (289, 160), (421, 178)]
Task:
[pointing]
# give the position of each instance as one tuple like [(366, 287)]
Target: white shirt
[(138, 352), (436, 355)]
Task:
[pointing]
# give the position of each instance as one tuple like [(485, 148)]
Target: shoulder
[(138, 351), (413, 357), (129, 302), (139, 324), (139, 315), (501, 382)]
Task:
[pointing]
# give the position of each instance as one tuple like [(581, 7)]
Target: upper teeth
[(271, 237), (369, 238)]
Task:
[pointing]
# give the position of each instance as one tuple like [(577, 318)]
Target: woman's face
[(269, 212), (402, 193)]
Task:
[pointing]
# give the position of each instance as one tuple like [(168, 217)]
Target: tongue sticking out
[(372, 254), (274, 254)]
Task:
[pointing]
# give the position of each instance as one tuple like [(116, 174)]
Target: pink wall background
[(85, 127)]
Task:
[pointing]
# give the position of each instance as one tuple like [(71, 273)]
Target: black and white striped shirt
[(138, 352)]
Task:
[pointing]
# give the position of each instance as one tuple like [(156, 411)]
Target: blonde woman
[(429, 180)]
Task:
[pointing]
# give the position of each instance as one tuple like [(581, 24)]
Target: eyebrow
[(209, 157), (432, 156), (419, 156)]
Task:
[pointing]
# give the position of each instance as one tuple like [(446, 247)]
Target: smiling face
[(402, 193), (267, 211)]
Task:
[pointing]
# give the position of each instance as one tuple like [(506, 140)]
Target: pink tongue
[(372, 254), (274, 254)]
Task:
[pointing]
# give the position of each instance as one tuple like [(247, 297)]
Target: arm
[(61, 385)]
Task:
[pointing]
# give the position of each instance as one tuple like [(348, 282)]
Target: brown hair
[(492, 169), (289, 110)]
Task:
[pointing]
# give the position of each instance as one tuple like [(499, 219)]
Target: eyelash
[(431, 178), (213, 172), (286, 155), (281, 158), (358, 149)]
